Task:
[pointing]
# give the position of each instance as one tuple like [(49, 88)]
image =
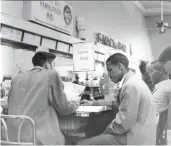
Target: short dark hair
[(41, 57), (158, 65), (118, 58), (165, 55), (142, 67)]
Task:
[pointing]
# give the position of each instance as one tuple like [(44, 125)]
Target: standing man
[(165, 58), (161, 96), (162, 90), (39, 94), (135, 123)]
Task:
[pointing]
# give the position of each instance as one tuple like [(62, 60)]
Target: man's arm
[(59, 99), (109, 103), (128, 110), (161, 98)]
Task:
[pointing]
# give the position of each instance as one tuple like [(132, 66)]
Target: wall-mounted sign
[(54, 14), (84, 57), (11, 33), (51, 44), (63, 47), (31, 39), (105, 40)]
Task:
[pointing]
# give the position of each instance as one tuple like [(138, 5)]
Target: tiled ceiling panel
[(154, 7)]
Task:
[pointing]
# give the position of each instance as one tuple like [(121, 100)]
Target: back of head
[(142, 67), (158, 66), (165, 55), (118, 58), (41, 57)]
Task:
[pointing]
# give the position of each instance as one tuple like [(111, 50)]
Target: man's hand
[(87, 102)]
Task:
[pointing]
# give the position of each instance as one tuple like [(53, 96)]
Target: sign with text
[(31, 39), (105, 40), (63, 47), (84, 56), (11, 33), (55, 14), (48, 43)]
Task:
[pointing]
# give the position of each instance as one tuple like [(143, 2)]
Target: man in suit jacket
[(39, 94), (135, 123)]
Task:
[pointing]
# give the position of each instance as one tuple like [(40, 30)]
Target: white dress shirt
[(121, 82), (162, 95)]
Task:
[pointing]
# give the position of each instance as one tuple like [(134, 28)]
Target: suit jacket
[(135, 123), (39, 94)]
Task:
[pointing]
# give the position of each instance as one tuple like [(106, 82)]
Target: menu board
[(11, 33), (73, 91), (63, 47), (31, 39), (51, 44)]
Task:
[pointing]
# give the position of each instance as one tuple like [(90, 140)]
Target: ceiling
[(150, 8)]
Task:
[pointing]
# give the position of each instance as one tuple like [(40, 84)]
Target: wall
[(120, 20), (158, 41), (13, 8)]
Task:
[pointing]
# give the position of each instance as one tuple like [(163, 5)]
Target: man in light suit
[(39, 94), (135, 123)]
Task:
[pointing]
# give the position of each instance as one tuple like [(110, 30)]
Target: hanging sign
[(84, 56)]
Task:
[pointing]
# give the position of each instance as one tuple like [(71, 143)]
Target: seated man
[(161, 95), (39, 94), (135, 123)]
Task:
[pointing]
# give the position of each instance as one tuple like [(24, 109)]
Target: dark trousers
[(103, 139)]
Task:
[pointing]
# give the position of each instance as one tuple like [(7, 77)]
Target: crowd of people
[(144, 113)]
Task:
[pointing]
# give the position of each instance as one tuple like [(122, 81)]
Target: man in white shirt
[(165, 58), (161, 96), (162, 90)]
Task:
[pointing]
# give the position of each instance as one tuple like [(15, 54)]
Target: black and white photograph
[(92, 72)]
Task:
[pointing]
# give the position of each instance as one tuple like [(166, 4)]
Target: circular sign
[(67, 15)]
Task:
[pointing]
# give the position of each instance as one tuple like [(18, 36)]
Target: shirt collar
[(121, 82), (160, 84), (38, 67)]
